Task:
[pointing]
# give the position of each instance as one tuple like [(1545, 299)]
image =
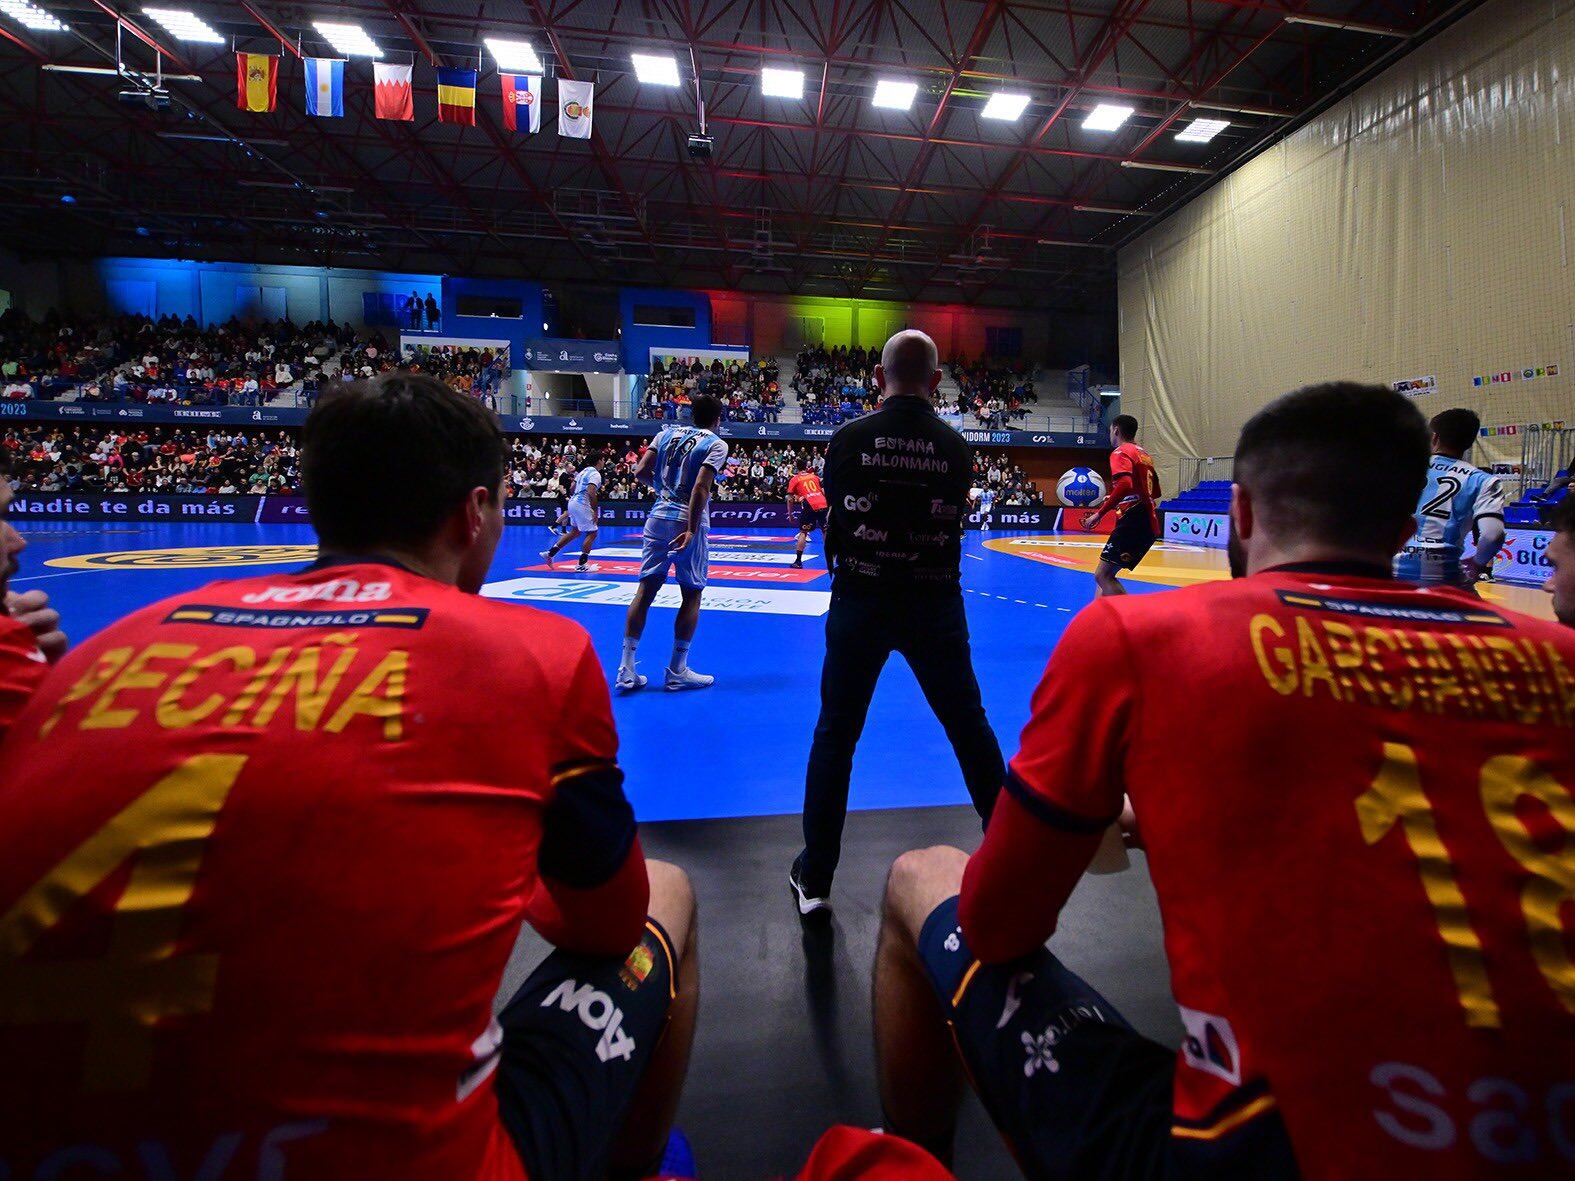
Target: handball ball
[(1080, 487)]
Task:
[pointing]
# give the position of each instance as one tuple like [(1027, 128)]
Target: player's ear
[(880, 377), (1241, 511), (935, 381)]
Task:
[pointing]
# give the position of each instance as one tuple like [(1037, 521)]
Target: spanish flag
[(256, 81), (457, 96)]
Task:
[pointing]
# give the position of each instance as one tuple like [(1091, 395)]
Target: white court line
[(975, 557), (37, 577)]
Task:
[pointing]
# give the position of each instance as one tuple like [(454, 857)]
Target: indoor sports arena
[(847, 589)]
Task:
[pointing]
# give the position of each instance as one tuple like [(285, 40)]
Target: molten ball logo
[(1080, 487), (574, 110)]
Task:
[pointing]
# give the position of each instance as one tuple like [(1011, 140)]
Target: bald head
[(909, 364)]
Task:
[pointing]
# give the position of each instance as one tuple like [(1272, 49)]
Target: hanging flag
[(325, 86), (574, 108), (392, 97), (256, 81), (457, 96), (521, 95)]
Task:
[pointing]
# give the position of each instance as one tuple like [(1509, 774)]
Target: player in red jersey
[(1356, 799), (806, 502), (268, 846), (30, 635), (1133, 497)]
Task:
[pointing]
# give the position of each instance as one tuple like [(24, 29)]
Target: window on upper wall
[(664, 316), (384, 309), (1003, 342), (490, 307)]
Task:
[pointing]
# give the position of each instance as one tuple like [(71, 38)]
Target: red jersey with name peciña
[(1356, 801), (267, 848), (1134, 480), (806, 486), (22, 668)]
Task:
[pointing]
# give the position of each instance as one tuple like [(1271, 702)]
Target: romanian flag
[(457, 96), (256, 81)]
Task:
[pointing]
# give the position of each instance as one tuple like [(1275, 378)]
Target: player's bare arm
[(644, 469)]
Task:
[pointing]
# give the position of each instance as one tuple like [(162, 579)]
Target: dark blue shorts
[(811, 518), (577, 1037), (1075, 1090)]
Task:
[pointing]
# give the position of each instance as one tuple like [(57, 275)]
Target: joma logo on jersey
[(597, 1012), (339, 590)]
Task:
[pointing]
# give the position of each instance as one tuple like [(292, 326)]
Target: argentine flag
[(325, 87)]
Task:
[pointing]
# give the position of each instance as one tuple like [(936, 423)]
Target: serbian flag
[(391, 92), (457, 96), (256, 81), (325, 86), (521, 94)]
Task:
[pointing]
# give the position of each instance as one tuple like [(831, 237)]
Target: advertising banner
[(573, 356), (282, 416), (1524, 556), (1210, 529), (103, 506)]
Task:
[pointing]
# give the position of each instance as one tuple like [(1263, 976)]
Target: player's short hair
[(1456, 429), (706, 410), (1560, 520), (1343, 464), (386, 461), (910, 359), (1126, 426)]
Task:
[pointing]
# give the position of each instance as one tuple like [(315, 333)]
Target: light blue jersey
[(681, 451), (1456, 497), (582, 485)]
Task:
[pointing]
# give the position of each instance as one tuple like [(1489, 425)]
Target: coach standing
[(897, 481)]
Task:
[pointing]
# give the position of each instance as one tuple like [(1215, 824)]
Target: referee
[(897, 481)]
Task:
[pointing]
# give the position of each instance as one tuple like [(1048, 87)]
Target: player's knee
[(920, 880), (672, 902)]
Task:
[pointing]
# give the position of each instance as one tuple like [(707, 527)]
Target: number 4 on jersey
[(140, 980)]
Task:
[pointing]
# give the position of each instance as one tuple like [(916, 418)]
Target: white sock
[(680, 659), (629, 645)]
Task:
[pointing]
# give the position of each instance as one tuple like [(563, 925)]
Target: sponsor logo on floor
[(631, 569), (744, 557), (751, 600), (189, 557)]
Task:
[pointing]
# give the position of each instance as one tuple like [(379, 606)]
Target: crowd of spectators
[(994, 392), (468, 369), (836, 384), (177, 361), (750, 391), (45, 457), (72, 457), (1009, 482)]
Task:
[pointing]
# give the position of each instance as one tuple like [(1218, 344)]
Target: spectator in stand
[(432, 311), (53, 457), (994, 391)]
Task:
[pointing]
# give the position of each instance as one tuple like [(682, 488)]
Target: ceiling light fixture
[(184, 25), (350, 40), (775, 83), (31, 16), (1005, 105), (1108, 117), (1200, 131), (655, 70), (891, 95), (514, 57)]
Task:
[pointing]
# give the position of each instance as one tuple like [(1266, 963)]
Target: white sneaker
[(688, 679), (546, 556), (807, 904), (628, 680)]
